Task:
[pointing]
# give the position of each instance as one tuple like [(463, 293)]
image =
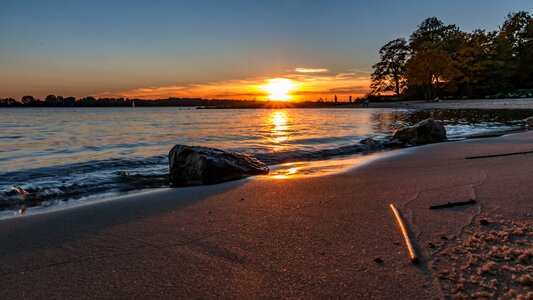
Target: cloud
[(307, 70), (229, 89)]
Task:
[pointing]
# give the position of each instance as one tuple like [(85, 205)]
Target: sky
[(227, 49)]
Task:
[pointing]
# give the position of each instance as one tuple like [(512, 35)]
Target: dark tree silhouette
[(27, 100), (389, 72), (516, 32), (525, 60), (444, 60), (433, 33)]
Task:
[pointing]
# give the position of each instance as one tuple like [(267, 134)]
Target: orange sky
[(310, 84)]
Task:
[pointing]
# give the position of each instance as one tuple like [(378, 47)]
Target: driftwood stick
[(498, 155), (452, 204), (410, 248)]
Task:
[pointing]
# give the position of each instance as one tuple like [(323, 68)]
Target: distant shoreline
[(198, 103)]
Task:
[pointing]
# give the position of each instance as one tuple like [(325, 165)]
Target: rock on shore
[(191, 165), (425, 132)]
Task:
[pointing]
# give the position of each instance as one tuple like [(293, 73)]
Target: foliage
[(525, 60), (389, 73), (432, 33), (432, 69), (444, 60)]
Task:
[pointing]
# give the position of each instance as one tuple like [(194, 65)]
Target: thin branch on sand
[(410, 248), (452, 204), (498, 155)]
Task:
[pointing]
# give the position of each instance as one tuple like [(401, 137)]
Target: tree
[(8, 102), (69, 101), (484, 64), (89, 102), (50, 100), (389, 72), (525, 62), (432, 70), (431, 65), (432, 33), (442, 59), (27, 100), (517, 33), (515, 29)]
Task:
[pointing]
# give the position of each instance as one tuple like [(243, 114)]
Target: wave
[(31, 187)]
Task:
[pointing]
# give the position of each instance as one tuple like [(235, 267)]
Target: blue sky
[(74, 47)]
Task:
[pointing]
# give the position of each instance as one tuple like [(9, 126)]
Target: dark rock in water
[(202, 165), (425, 132), (406, 135), (528, 122), (430, 131)]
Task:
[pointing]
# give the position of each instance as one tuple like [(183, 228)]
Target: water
[(67, 153)]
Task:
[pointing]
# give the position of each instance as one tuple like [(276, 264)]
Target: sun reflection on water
[(280, 130), (288, 170), (322, 167)]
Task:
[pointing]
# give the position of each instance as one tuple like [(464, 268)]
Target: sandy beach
[(522, 103), (330, 236)]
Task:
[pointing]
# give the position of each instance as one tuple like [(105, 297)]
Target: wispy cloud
[(229, 89), (309, 70)]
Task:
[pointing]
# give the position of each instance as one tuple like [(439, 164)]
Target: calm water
[(73, 152)]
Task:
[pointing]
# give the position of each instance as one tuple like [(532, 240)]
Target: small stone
[(242, 199), (378, 260), (444, 238), (431, 245)]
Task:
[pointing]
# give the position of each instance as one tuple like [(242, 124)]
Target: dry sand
[(308, 237)]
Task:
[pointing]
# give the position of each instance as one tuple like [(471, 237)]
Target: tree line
[(59, 101), (440, 60)]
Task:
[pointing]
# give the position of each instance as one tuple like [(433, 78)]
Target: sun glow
[(279, 89)]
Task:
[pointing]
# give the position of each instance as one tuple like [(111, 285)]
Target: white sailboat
[(133, 104)]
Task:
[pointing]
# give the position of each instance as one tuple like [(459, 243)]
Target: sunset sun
[(279, 89)]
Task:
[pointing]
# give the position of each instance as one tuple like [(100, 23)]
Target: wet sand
[(307, 237), (525, 103)]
